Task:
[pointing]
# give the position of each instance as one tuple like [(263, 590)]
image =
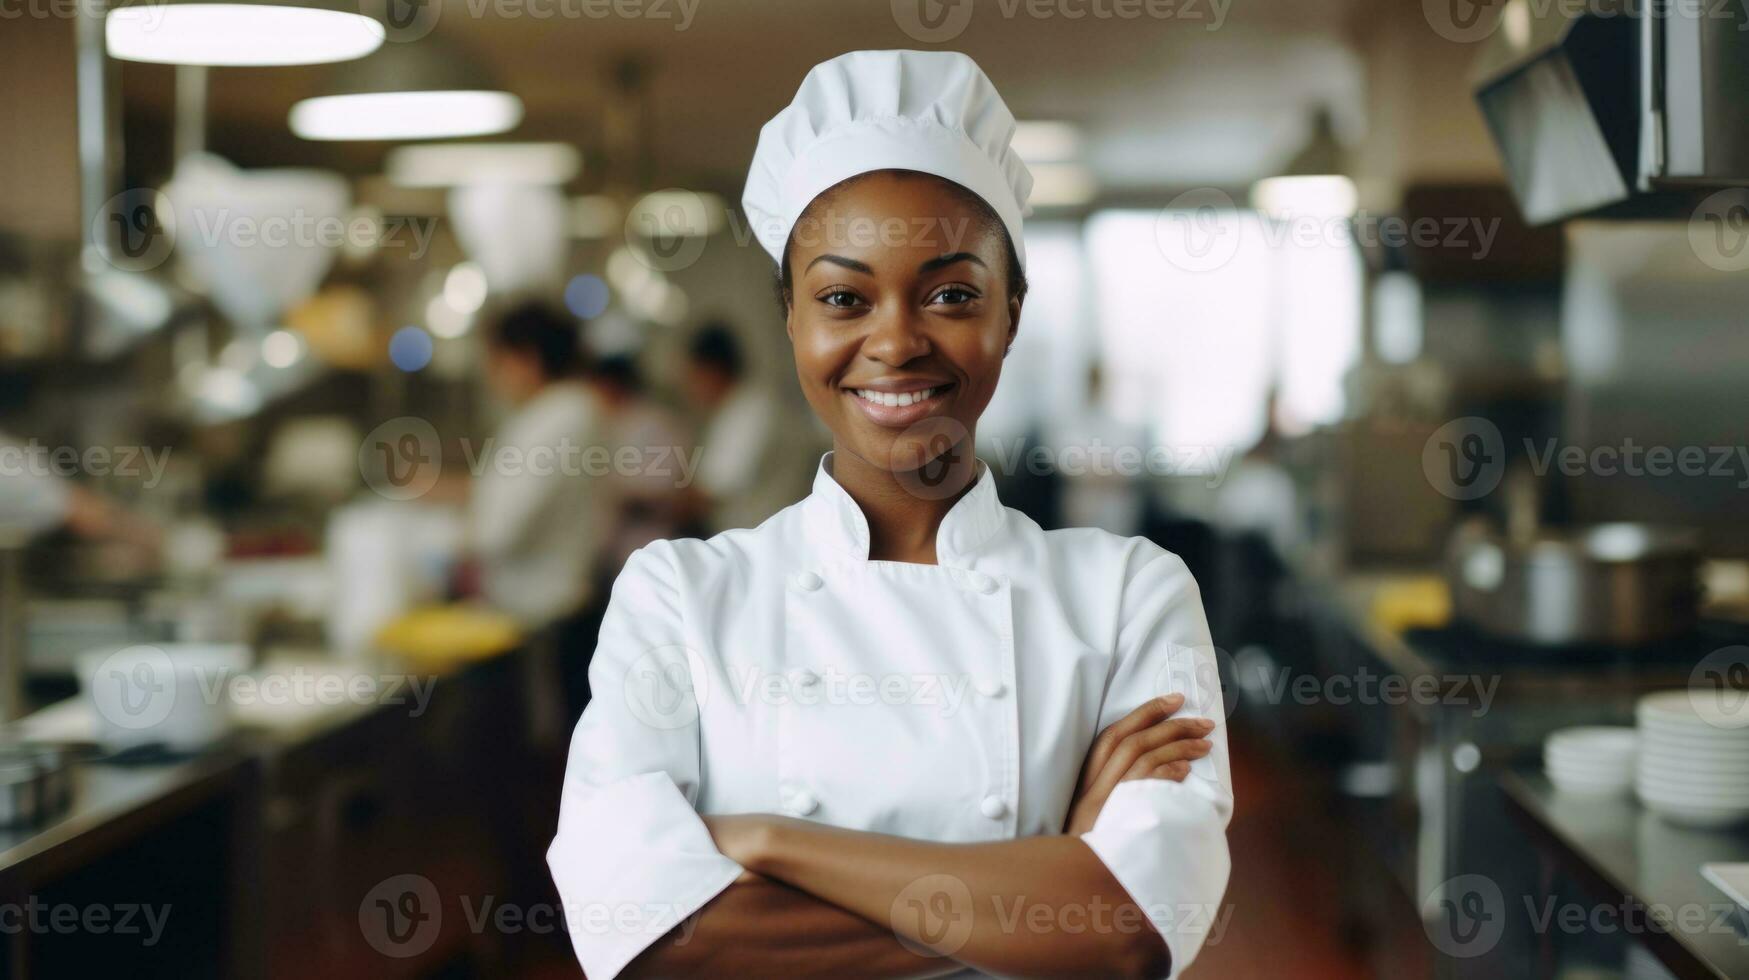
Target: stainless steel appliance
[(1619, 584), (1630, 106)]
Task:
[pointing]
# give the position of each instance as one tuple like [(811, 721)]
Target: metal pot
[(1612, 584)]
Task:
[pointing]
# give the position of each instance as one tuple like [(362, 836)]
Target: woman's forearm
[(1035, 907), (762, 927)]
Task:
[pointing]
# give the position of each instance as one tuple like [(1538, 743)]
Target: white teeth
[(895, 399)]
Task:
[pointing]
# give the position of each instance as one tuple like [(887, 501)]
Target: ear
[(1014, 305)]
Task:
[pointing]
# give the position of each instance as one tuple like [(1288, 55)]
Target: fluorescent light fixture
[(1040, 141), (405, 115), (595, 216), (238, 34), (1319, 196), (455, 164), (1061, 185), (683, 213)]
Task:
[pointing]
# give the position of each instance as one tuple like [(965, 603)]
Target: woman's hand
[(1147, 743)]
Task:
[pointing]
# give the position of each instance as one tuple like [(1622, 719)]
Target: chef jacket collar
[(836, 523)]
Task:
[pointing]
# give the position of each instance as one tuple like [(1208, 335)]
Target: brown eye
[(953, 295), (840, 298)]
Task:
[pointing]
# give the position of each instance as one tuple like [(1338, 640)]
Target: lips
[(899, 408)]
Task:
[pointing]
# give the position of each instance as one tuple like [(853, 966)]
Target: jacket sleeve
[(632, 858), (1166, 841)]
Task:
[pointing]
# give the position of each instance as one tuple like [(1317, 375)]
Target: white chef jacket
[(779, 670), (537, 509)]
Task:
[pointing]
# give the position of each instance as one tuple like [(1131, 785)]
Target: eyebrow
[(939, 262)]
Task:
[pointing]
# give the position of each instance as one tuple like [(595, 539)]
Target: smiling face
[(900, 312)]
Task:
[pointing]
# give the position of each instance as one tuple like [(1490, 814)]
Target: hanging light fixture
[(238, 34), (424, 90)]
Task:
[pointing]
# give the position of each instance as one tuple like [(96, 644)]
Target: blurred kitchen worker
[(653, 455), (738, 471), (535, 513), (35, 500)]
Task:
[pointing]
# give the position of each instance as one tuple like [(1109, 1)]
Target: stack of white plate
[(1694, 756), (1591, 761)]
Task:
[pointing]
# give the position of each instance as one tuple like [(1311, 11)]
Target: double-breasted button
[(802, 803), (803, 677), (991, 687), (984, 584), (808, 581), (994, 807)]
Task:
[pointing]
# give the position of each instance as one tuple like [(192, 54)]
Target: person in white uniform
[(897, 729), (535, 515)]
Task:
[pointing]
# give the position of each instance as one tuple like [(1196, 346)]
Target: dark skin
[(933, 309)]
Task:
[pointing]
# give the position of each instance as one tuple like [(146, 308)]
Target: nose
[(895, 338)]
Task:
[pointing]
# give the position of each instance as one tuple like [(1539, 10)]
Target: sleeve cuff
[(1165, 842), (632, 860)]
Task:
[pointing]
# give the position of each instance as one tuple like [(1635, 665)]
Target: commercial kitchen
[(1416, 330)]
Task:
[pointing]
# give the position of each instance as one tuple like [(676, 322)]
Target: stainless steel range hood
[(1631, 108)]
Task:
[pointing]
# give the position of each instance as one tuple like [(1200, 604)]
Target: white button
[(803, 677), (992, 687), (803, 803), (993, 807), (983, 583), (808, 581)]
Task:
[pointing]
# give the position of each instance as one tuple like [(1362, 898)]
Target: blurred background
[(346, 352)]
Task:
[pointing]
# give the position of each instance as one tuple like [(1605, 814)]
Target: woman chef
[(861, 737)]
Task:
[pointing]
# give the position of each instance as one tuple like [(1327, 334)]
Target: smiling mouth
[(899, 408)]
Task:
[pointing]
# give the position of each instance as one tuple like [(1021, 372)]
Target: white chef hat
[(929, 111)]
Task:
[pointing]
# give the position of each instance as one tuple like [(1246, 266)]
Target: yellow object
[(1421, 602), (450, 633)]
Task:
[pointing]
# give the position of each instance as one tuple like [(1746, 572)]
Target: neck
[(905, 510)]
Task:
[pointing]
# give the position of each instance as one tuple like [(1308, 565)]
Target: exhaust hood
[(1618, 108)]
